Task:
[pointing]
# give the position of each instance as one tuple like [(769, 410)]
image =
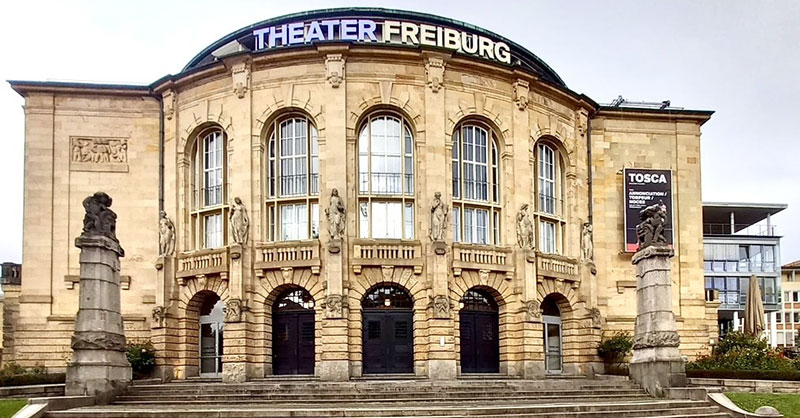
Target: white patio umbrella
[(754, 309)]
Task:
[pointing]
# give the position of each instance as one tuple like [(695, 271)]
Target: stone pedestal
[(99, 367), (657, 362)]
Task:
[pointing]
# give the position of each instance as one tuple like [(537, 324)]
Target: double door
[(480, 347), (293, 343), (388, 341)]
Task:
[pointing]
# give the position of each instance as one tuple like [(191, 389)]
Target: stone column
[(99, 367), (657, 363)]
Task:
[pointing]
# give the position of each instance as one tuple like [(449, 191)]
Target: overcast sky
[(738, 58)]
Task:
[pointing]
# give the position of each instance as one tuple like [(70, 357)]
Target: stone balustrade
[(286, 255), (391, 253), (482, 258), (203, 262), (557, 266)]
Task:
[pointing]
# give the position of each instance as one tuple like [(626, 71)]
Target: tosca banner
[(381, 31), (645, 188)]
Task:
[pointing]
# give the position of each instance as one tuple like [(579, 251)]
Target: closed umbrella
[(754, 309)]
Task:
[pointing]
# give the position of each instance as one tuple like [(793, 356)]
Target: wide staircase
[(485, 398)]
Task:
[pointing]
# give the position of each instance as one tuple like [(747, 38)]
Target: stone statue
[(439, 211), (525, 233), (587, 244), (654, 222), (240, 223), (99, 218), (336, 216), (166, 235)]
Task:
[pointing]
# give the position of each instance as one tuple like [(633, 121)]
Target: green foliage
[(743, 356), (12, 374), (787, 404), (615, 348), (142, 357)]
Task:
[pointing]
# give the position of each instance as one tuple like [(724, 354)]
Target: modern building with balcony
[(740, 240), (785, 323)]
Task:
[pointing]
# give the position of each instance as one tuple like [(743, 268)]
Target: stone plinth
[(657, 363), (99, 367)]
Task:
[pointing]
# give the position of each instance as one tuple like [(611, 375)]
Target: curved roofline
[(548, 73)]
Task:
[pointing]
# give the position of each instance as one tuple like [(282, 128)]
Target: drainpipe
[(589, 156), (160, 152)]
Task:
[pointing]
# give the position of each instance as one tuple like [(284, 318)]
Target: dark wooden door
[(293, 343), (388, 342), (480, 346)]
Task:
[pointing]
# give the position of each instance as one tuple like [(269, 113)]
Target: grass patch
[(9, 407), (787, 403)]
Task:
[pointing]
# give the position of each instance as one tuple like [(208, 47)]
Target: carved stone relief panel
[(98, 154)]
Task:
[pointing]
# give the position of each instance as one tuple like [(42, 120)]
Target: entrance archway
[(212, 324), (553, 343), (388, 331), (479, 332), (293, 332)]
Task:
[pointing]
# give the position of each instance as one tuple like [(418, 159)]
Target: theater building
[(352, 192)]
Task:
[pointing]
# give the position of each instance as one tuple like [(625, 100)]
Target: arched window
[(386, 178), (209, 206), (476, 188), (548, 198), (292, 186)]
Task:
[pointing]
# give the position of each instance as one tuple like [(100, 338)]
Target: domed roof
[(375, 25)]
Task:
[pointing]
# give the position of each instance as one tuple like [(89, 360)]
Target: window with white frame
[(209, 166), (292, 180), (386, 178), (547, 195), (476, 187)]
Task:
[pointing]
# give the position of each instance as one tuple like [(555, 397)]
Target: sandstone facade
[(84, 138)]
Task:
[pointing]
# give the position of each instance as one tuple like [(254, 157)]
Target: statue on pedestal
[(439, 211), (240, 223), (99, 218), (337, 216), (525, 231), (651, 230)]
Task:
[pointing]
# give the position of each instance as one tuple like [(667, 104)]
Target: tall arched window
[(209, 207), (476, 188), (292, 186), (386, 178), (548, 198)]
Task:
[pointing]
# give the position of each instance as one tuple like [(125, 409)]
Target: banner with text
[(645, 188)]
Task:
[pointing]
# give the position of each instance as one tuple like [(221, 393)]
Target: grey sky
[(738, 58)]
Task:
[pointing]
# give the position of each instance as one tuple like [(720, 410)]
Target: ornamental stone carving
[(657, 339), (233, 310), (240, 73), (533, 311), (159, 316), (597, 318), (525, 230), (99, 150), (99, 218), (650, 231), (166, 235), (441, 307), (521, 90), (334, 307), (240, 223), (434, 72), (439, 212), (334, 69), (98, 340), (168, 102), (335, 212)]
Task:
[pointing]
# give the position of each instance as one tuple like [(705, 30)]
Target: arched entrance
[(212, 323), (553, 348), (387, 332), (479, 332), (293, 332)]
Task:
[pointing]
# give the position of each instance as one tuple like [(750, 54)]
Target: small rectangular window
[(363, 220), (456, 224), (314, 220), (796, 297), (213, 231), (547, 237), (409, 221)]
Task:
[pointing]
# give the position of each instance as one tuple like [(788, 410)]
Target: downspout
[(589, 156), (160, 152)]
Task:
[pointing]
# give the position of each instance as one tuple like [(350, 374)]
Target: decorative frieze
[(99, 154)]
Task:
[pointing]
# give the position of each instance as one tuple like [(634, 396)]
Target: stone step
[(630, 409), (445, 393)]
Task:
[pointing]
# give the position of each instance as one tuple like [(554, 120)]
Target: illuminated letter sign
[(389, 31)]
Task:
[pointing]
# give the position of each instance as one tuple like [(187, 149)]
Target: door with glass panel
[(211, 332), (388, 331), (552, 343)]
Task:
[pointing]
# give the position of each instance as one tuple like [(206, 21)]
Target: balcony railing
[(288, 254), (203, 262), (550, 205), (557, 266), (391, 253), (385, 183), (761, 230), (479, 257)]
